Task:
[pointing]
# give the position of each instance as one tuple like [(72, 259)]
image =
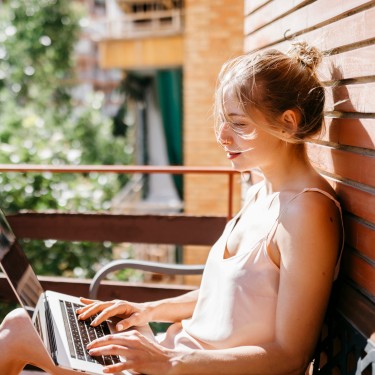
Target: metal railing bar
[(127, 169), (147, 169)]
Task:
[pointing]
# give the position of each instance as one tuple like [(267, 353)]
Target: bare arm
[(136, 314), (174, 309)]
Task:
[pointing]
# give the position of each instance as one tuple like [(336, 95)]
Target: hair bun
[(306, 55)]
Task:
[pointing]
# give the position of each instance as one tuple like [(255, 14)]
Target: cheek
[(267, 140)]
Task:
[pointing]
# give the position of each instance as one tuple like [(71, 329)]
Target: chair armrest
[(369, 359), (164, 268)]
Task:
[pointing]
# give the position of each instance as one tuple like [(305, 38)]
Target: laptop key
[(108, 360), (82, 333)]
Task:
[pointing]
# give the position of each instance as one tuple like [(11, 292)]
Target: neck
[(289, 168)]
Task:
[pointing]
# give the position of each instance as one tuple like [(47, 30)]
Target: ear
[(291, 119)]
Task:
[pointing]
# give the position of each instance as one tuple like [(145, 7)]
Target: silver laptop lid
[(17, 268)]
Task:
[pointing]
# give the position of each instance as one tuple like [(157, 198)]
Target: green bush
[(40, 125)]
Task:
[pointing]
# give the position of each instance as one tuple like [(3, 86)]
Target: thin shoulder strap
[(337, 203), (255, 189), (328, 195)]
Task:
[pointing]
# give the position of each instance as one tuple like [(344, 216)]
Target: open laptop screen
[(17, 267)]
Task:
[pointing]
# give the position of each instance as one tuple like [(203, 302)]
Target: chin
[(241, 168)]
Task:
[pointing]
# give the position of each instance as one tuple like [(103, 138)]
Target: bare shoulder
[(313, 204), (310, 225)]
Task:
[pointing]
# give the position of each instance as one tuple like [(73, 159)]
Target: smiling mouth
[(232, 155)]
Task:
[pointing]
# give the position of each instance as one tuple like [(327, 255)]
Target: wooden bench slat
[(312, 16), (356, 63), (353, 31), (297, 21), (357, 309), (351, 98), (359, 202), (270, 12), (360, 236), (357, 132), (360, 271), (348, 165)]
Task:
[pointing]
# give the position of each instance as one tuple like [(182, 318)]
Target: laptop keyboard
[(80, 334)]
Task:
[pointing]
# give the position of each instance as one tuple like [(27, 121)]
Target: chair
[(163, 268)]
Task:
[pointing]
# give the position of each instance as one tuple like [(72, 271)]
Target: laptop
[(53, 314)]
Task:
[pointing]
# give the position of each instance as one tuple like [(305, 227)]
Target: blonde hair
[(274, 82)]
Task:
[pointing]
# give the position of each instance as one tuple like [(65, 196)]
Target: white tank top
[(237, 298)]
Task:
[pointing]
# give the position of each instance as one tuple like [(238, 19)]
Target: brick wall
[(213, 34)]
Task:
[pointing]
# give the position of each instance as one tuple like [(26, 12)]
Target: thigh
[(27, 345)]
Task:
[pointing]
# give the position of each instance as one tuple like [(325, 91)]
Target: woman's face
[(247, 145)]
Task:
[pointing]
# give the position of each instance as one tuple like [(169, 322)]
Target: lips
[(233, 155)]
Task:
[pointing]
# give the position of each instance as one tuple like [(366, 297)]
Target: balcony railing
[(139, 25), (99, 227), (133, 169)]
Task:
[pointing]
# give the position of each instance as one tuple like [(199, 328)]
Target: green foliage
[(39, 125), (37, 39)]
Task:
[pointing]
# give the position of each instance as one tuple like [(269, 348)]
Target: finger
[(126, 339), (111, 349), (110, 311), (89, 310), (124, 324), (108, 339), (93, 309), (118, 367), (87, 302)]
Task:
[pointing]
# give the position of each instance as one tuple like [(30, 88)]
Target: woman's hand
[(132, 314), (140, 353)]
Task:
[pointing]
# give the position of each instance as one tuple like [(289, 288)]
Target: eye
[(238, 127)]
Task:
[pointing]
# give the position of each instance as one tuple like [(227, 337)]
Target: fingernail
[(93, 322), (120, 327)]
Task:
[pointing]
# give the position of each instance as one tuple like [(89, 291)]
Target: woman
[(268, 278)]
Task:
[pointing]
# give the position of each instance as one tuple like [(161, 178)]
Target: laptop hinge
[(51, 331)]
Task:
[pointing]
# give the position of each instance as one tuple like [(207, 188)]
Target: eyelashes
[(239, 131)]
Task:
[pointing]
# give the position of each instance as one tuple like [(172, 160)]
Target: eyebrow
[(236, 115)]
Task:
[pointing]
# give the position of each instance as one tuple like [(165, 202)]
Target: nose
[(223, 134)]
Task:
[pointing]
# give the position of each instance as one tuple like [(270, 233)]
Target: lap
[(26, 343)]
